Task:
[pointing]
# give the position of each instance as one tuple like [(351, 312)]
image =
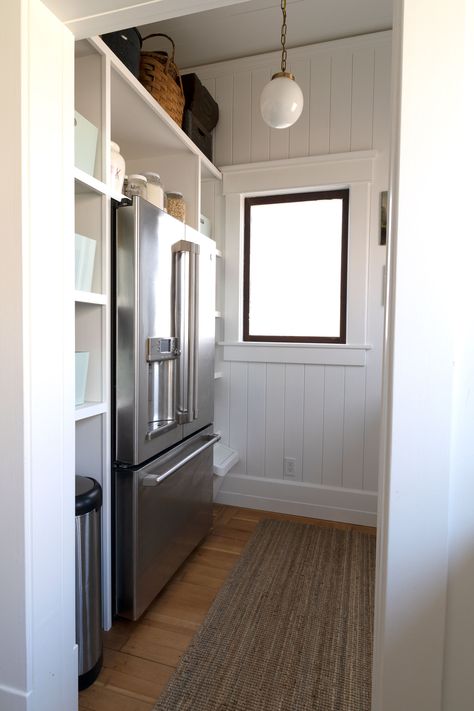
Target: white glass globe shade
[(281, 102)]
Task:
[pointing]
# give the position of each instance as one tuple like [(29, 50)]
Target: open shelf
[(89, 409), (140, 125), (89, 297), (85, 183)]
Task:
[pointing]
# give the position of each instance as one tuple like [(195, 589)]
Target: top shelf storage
[(139, 124)]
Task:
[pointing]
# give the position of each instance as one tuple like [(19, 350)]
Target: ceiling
[(212, 30), (253, 27)]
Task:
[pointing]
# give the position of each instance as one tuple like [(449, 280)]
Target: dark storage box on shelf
[(126, 45), (196, 132), (200, 102)]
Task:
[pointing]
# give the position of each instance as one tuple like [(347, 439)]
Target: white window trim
[(347, 170)]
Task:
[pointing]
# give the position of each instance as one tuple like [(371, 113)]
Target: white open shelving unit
[(111, 98)]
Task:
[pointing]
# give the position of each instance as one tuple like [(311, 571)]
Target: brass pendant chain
[(283, 36)]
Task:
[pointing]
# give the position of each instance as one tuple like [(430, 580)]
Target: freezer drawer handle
[(153, 480)]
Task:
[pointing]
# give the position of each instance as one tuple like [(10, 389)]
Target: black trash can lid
[(88, 495)]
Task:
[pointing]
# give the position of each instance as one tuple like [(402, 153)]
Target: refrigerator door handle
[(153, 480), (186, 309)]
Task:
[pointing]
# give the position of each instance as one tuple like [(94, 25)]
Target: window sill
[(300, 353)]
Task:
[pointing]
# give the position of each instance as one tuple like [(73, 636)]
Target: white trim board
[(299, 353), (299, 173), (353, 170), (300, 499)]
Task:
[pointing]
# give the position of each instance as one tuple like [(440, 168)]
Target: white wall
[(325, 416), (37, 654), (458, 682), (424, 652)]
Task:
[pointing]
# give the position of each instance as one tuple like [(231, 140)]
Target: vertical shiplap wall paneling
[(333, 425), (257, 381), (294, 409), (275, 420), (260, 132), (381, 120), (313, 427), (362, 98), (325, 416), (299, 133), (222, 403), (242, 110), (320, 104), (279, 143), (353, 445), (238, 421), (341, 102), (223, 131)]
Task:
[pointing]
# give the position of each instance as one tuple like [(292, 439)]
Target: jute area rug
[(291, 630)]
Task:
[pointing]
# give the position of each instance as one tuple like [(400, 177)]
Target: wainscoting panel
[(275, 420), (313, 421), (333, 425), (310, 413), (294, 410), (238, 406), (256, 418)]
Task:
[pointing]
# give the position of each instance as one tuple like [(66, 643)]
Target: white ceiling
[(212, 30), (86, 18), (253, 27)]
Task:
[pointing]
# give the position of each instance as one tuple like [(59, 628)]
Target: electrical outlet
[(289, 468)]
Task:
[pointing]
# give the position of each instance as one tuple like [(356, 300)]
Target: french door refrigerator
[(164, 376)]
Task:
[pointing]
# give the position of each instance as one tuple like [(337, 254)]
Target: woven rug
[(291, 630)]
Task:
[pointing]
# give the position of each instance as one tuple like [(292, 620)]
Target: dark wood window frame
[(343, 195)]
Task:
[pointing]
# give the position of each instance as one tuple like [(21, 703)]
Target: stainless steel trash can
[(88, 579)]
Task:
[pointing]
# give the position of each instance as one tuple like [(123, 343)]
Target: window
[(295, 267)]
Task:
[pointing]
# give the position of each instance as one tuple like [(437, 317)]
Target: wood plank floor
[(139, 657)]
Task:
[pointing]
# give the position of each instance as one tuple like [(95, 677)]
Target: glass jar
[(136, 186), (154, 190), (176, 206)]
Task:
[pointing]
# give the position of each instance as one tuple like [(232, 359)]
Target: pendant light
[(281, 102)]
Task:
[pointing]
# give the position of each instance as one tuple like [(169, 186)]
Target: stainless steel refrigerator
[(164, 327)]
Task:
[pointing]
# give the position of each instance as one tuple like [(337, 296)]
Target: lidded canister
[(154, 190), (176, 206), (137, 185)]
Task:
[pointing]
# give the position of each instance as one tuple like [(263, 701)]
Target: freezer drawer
[(163, 510)]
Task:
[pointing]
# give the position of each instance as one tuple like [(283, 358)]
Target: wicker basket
[(160, 76)]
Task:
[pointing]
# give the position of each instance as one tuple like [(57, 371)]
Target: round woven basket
[(160, 76)]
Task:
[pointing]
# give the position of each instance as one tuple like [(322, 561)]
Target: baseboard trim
[(13, 699), (300, 499)]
